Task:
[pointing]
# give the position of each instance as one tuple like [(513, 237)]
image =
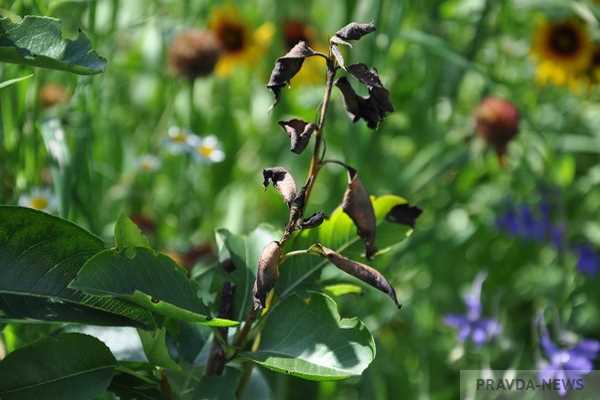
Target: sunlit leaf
[(38, 42), (39, 256), (151, 280), (315, 344), (338, 233)]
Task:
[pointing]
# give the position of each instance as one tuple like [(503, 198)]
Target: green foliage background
[(438, 59)]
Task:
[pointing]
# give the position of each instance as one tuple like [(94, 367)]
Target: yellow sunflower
[(240, 43), (562, 49), (314, 69), (594, 65)]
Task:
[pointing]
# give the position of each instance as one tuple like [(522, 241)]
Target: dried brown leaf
[(314, 220), (339, 58), (282, 180), (267, 274), (299, 133), (287, 66), (361, 271), (355, 31), (357, 205), (404, 214), (373, 108)]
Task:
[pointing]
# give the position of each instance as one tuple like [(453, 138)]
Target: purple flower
[(565, 363), (471, 325), (588, 261)]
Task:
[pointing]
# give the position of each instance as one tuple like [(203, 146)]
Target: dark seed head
[(194, 54)]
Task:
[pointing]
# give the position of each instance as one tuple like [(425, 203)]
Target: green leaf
[(155, 348), (341, 289), (136, 380), (13, 81), (131, 385), (39, 256), (192, 384), (244, 251), (151, 280), (67, 366), (38, 41), (339, 233), (304, 336), (127, 234)]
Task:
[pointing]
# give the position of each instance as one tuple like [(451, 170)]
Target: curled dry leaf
[(361, 271), (404, 214), (287, 66), (313, 221), (372, 108), (339, 58), (354, 31), (267, 274), (299, 133), (357, 205), (282, 180)]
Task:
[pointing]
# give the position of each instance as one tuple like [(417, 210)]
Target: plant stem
[(315, 162), (299, 204)]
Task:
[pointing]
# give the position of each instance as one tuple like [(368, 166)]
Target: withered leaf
[(357, 205), (314, 220), (361, 271), (355, 30), (339, 58), (368, 77), (404, 214), (267, 274), (372, 108), (287, 66), (282, 180), (299, 133)]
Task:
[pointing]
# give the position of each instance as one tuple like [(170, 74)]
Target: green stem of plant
[(191, 104)]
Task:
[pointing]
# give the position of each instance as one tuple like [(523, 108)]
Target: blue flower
[(588, 261), (565, 363), (530, 224), (471, 325)]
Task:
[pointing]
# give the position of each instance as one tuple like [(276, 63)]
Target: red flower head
[(497, 122)]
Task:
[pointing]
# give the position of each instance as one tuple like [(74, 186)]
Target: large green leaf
[(63, 367), (39, 256), (192, 384), (244, 251), (151, 280), (339, 233), (38, 41), (304, 336), (155, 348)]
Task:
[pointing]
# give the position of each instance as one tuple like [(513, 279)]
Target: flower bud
[(194, 53), (497, 122), (53, 94)]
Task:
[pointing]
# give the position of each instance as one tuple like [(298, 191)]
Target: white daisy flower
[(178, 140), (148, 163), (207, 149), (40, 199)]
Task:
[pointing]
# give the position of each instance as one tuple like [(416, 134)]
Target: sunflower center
[(596, 59), (232, 36), (565, 40), (39, 203), (205, 151)]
